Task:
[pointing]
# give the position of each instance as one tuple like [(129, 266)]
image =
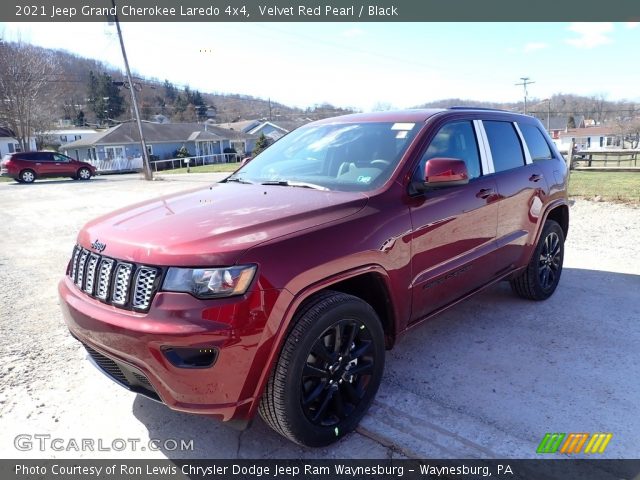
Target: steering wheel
[(379, 161)]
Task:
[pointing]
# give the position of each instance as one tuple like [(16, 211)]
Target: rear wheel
[(328, 372), (540, 279), (84, 174), (27, 176)]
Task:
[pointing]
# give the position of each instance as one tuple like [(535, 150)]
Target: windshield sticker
[(402, 134), (403, 126), (363, 179)]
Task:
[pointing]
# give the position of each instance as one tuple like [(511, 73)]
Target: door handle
[(535, 178), (38, 164), (485, 193), (57, 164)]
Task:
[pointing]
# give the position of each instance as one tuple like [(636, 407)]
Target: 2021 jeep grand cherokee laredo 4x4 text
[(278, 289)]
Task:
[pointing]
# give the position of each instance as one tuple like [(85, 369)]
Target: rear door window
[(506, 149), (536, 143), (42, 156)]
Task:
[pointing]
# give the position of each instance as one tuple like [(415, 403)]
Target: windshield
[(343, 157)]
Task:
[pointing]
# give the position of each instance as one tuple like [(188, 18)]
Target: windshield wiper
[(239, 180), (289, 183)]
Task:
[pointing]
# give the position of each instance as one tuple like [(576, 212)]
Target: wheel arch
[(352, 282), (560, 214)]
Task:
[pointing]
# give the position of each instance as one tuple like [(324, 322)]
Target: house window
[(63, 138), (112, 153), (150, 149), (11, 150), (77, 137), (93, 154)]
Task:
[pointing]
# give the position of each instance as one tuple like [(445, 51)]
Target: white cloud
[(534, 46), (590, 35), (631, 24)]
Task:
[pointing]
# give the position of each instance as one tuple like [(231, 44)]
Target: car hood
[(215, 225)]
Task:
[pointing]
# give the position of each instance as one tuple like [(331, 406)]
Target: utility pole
[(525, 82), (146, 167), (269, 108), (549, 114)]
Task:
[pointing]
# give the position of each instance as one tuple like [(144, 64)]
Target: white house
[(9, 144), (588, 138), (62, 136)]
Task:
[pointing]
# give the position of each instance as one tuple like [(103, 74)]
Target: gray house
[(269, 129), (121, 144)]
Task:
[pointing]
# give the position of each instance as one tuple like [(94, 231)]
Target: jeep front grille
[(121, 284)]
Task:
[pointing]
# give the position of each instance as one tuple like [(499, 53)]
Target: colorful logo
[(571, 443)]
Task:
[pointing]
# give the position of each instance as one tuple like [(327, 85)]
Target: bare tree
[(25, 75), (633, 133)]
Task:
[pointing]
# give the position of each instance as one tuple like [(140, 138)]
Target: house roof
[(257, 128), (253, 126), (589, 132), (126, 133), (240, 126), (6, 132), (560, 122), (71, 131), (290, 125)]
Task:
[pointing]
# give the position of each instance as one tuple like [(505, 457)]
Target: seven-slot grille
[(122, 284)]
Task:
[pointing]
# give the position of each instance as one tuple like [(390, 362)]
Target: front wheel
[(540, 279), (328, 372)]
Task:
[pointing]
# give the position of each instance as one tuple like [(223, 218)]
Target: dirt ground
[(488, 378)]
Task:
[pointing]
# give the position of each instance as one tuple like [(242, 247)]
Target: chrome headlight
[(209, 282)]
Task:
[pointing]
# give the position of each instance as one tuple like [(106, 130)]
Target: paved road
[(486, 379)]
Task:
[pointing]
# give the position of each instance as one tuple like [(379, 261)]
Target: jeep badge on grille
[(98, 246)]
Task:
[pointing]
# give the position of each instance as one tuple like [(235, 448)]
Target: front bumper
[(241, 330)]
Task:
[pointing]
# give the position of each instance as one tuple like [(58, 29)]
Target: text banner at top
[(319, 11)]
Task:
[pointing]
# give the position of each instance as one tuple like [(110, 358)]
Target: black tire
[(83, 174), (540, 279), (27, 176), (320, 388)]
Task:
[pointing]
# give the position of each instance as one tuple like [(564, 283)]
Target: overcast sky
[(360, 65)]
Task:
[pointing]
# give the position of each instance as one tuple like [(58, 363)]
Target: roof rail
[(477, 108)]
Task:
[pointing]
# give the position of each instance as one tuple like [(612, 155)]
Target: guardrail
[(173, 163), (115, 165)]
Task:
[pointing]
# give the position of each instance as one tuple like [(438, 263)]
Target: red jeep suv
[(278, 289), (26, 167)]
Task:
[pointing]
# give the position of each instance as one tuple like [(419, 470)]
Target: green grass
[(216, 167), (6, 179), (609, 186)]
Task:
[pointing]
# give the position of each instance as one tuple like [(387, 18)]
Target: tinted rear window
[(537, 145), (506, 149)]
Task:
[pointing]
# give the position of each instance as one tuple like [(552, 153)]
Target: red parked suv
[(278, 289), (26, 167)]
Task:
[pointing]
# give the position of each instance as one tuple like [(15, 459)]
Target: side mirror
[(443, 172)]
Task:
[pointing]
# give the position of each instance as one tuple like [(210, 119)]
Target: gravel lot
[(486, 379)]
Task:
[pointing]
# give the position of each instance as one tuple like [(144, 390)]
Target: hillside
[(87, 91)]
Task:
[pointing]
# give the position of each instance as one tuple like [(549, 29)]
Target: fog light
[(191, 357)]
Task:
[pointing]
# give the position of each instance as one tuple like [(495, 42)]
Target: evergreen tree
[(105, 99), (170, 91), (80, 120), (261, 144)]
